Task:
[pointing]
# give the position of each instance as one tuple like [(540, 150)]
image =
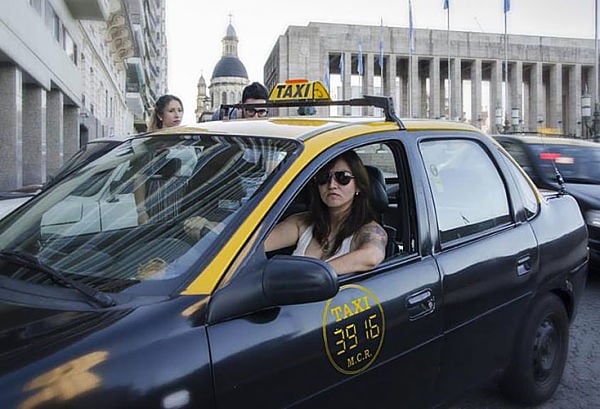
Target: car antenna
[(562, 189)]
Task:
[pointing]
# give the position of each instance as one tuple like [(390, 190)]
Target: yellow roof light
[(299, 90)]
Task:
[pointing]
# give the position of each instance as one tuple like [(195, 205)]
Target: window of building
[(469, 194), (37, 5)]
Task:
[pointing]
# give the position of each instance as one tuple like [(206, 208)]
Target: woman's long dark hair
[(360, 213)]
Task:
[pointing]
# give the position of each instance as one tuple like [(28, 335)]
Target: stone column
[(54, 131), (71, 130), (456, 89), (495, 92), (476, 117), (11, 130), (434, 87), (574, 112), (346, 88), (34, 135), (536, 101), (415, 90), (516, 89), (554, 106), (391, 81)]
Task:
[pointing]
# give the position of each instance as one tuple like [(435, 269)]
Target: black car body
[(578, 163), (480, 283)]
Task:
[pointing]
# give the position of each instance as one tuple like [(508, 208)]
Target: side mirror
[(296, 280), (268, 283)]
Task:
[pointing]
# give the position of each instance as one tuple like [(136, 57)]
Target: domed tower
[(229, 76), (202, 100)]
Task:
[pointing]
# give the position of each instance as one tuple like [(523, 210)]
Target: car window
[(469, 194), (89, 225), (519, 154)]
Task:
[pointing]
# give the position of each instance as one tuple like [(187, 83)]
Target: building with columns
[(72, 71), (458, 75), (227, 82)]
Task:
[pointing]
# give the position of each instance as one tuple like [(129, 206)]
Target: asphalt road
[(580, 384)]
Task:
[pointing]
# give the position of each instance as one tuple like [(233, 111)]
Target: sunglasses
[(253, 112), (342, 177)]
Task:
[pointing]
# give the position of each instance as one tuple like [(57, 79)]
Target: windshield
[(577, 164), (120, 219)]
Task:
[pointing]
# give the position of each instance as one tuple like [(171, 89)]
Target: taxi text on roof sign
[(294, 90)]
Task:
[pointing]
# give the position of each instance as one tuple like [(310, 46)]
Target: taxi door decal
[(353, 329)]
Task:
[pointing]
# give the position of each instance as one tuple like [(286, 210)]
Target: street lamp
[(515, 116), (498, 118)]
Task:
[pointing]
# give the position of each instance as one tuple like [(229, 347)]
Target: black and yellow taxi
[(106, 301)]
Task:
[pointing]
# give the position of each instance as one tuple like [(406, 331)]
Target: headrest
[(379, 197), (170, 168)]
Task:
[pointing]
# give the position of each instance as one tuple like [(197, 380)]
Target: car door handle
[(420, 304), (524, 265)]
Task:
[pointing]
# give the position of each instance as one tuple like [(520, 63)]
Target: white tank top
[(306, 238)]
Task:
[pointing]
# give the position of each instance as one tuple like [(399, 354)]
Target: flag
[(341, 65), (506, 6), (446, 4), (381, 46), (326, 76), (411, 29), (360, 57)]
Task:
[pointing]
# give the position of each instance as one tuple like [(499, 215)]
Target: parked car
[(578, 164), (480, 282), (10, 200)]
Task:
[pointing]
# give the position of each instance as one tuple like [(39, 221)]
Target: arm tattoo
[(372, 234)]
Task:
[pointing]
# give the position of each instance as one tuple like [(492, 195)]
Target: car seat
[(379, 203)]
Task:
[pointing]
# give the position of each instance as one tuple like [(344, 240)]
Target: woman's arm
[(367, 250), (286, 233)]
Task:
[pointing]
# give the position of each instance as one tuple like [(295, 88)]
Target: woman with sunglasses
[(339, 226)]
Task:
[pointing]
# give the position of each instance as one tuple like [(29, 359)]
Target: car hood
[(41, 338), (587, 195)]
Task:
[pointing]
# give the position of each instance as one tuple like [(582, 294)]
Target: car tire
[(540, 353)]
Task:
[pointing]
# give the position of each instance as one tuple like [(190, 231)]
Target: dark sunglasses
[(342, 177), (252, 112)]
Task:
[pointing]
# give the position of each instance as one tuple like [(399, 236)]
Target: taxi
[(106, 300)]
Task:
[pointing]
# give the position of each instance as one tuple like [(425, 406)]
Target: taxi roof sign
[(299, 90)]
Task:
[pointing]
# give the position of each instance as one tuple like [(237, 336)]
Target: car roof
[(303, 128), (548, 140)]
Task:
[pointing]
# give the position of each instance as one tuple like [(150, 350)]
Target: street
[(580, 385)]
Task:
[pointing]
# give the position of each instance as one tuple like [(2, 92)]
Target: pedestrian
[(168, 112), (255, 93)]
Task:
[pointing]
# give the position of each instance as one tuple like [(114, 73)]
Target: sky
[(195, 28)]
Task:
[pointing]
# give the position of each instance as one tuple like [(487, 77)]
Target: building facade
[(65, 75), (227, 82), (523, 83)]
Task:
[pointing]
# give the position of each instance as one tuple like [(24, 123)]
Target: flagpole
[(449, 76), (505, 65), (410, 59)]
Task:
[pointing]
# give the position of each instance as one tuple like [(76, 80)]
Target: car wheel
[(540, 353)]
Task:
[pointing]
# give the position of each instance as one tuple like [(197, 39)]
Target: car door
[(488, 259), (374, 344)]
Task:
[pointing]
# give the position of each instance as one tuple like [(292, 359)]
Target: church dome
[(229, 66)]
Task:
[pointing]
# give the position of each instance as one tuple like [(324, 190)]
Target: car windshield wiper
[(30, 261)]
